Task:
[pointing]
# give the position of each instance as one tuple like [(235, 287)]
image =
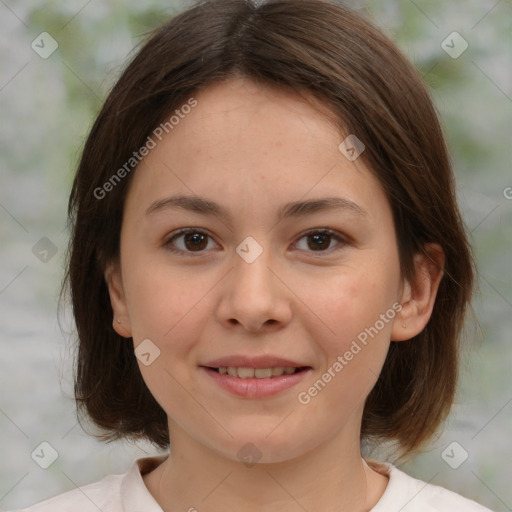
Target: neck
[(332, 477)]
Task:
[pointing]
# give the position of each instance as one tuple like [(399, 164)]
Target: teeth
[(243, 373), (262, 373), (258, 373)]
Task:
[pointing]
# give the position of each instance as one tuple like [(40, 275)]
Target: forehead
[(238, 118), (249, 141), (224, 97)]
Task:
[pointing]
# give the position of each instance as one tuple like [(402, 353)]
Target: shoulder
[(407, 494), (103, 495), (115, 493)]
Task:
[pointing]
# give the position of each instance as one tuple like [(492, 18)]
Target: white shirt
[(128, 493)]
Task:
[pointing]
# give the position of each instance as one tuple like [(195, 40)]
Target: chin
[(262, 446)]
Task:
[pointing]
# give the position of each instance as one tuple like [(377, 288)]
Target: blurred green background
[(47, 107)]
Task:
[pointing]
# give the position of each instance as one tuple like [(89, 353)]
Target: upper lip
[(240, 361)]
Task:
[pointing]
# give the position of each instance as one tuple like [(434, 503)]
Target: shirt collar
[(135, 495)]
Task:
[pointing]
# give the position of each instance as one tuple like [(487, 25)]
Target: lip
[(255, 388), (253, 362)]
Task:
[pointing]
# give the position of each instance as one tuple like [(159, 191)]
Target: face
[(257, 281)]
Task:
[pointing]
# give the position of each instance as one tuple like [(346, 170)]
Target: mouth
[(243, 372), (254, 378)]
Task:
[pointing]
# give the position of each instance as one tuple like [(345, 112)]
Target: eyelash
[(168, 243)]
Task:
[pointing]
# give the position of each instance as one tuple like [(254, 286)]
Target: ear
[(419, 295), (121, 321)]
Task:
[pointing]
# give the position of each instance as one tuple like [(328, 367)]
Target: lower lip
[(255, 388)]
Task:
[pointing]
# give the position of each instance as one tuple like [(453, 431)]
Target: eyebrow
[(293, 209)]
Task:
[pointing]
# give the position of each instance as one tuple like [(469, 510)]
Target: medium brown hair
[(339, 58)]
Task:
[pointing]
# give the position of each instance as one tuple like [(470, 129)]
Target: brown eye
[(195, 241), (320, 240), (188, 241)]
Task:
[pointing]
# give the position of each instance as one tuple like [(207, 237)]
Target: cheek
[(352, 302), (161, 300), (167, 309), (353, 353)]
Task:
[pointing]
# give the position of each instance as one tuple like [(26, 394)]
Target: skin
[(252, 148)]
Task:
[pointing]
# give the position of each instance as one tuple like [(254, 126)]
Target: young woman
[(268, 267)]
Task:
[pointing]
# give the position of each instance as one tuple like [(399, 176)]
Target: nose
[(255, 296)]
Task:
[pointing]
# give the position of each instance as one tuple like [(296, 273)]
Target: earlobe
[(121, 319), (418, 296)]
